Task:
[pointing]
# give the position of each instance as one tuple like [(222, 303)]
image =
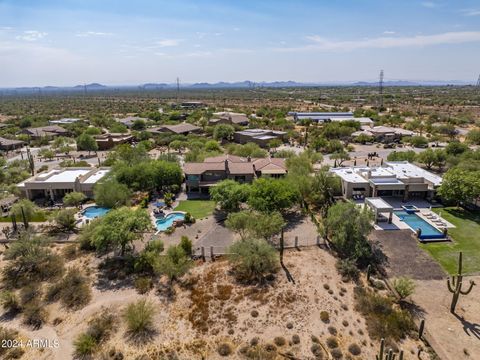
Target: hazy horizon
[(66, 43)]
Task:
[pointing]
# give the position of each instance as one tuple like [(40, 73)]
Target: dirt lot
[(457, 336), (210, 307)]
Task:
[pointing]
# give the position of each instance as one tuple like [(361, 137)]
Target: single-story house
[(384, 133), (395, 178), (203, 175), (229, 118), (324, 117), (179, 129), (54, 184), (10, 144), (260, 137), (45, 131), (109, 141)]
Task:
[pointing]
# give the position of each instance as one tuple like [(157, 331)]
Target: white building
[(54, 184), (396, 178)]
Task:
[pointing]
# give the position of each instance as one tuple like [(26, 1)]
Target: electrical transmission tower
[(178, 90), (478, 82), (380, 89)]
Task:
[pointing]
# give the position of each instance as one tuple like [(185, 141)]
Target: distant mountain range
[(224, 85)]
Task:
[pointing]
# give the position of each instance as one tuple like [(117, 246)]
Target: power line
[(178, 90)]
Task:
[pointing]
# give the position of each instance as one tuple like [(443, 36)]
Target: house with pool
[(399, 179), (54, 184)]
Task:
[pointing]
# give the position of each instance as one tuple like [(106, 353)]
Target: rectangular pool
[(416, 222)]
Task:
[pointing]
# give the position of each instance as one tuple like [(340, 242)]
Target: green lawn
[(198, 208), (466, 236)]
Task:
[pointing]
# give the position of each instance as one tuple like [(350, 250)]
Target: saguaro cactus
[(390, 355), (455, 285), (31, 162)]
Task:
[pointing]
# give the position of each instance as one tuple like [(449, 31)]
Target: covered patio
[(379, 208)]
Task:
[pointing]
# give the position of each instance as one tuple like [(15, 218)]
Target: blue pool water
[(164, 223), (416, 222), (93, 212)]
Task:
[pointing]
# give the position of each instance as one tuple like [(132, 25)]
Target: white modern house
[(54, 184), (394, 179)]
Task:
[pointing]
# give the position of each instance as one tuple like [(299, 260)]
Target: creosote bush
[(332, 342), (317, 351), (279, 341), (224, 349), (324, 316), (354, 349), (73, 290)]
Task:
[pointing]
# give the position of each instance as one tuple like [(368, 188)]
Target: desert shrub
[(224, 349), (336, 353), (289, 325), (34, 314), (332, 342), (258, 352), (254, 341), (85, 345), (345, 323), (382, 318), (326, 286), (186, 245), (99, 330), (324, 316), (317, 351), (70, 251), (354, 349), (10, 302), (314, 339), (29, 294), (348, 269), (279, 341), (31, 261), (139, 318), (189, 219), (332, 330), (73, 290), (143, 284), (270, 348), (404, 286), (253, 259), (296, 339), (254, 313)]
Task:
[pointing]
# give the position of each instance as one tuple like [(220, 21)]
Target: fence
[(293, 242)]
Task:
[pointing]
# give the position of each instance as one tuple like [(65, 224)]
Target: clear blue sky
[(69, 42)]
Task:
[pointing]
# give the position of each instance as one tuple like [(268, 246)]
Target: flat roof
[(92, 179), (67, 175), (404, 169), (378, 203)]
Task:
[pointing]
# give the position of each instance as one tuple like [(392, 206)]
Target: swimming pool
[(93, 212), (164, 223), (416, 222)]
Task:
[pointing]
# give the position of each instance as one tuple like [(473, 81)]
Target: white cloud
[(236, 29), (31, 35), (429, 4), (93, 33), (388, 32), (168, 42), (471, 12), (385, 42)]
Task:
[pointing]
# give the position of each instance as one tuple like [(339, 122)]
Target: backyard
[(198, 208), (465, 238)]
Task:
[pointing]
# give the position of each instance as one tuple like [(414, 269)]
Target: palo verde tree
[(346, 227), (119, 228), (230, 194)]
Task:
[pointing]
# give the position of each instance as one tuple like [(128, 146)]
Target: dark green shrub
[(224, 349), (324, 316), (354, 349), (296, 339), (336, 353), (186, 245), (279, 341), (317, 351), (332, 342), (348, 269)]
